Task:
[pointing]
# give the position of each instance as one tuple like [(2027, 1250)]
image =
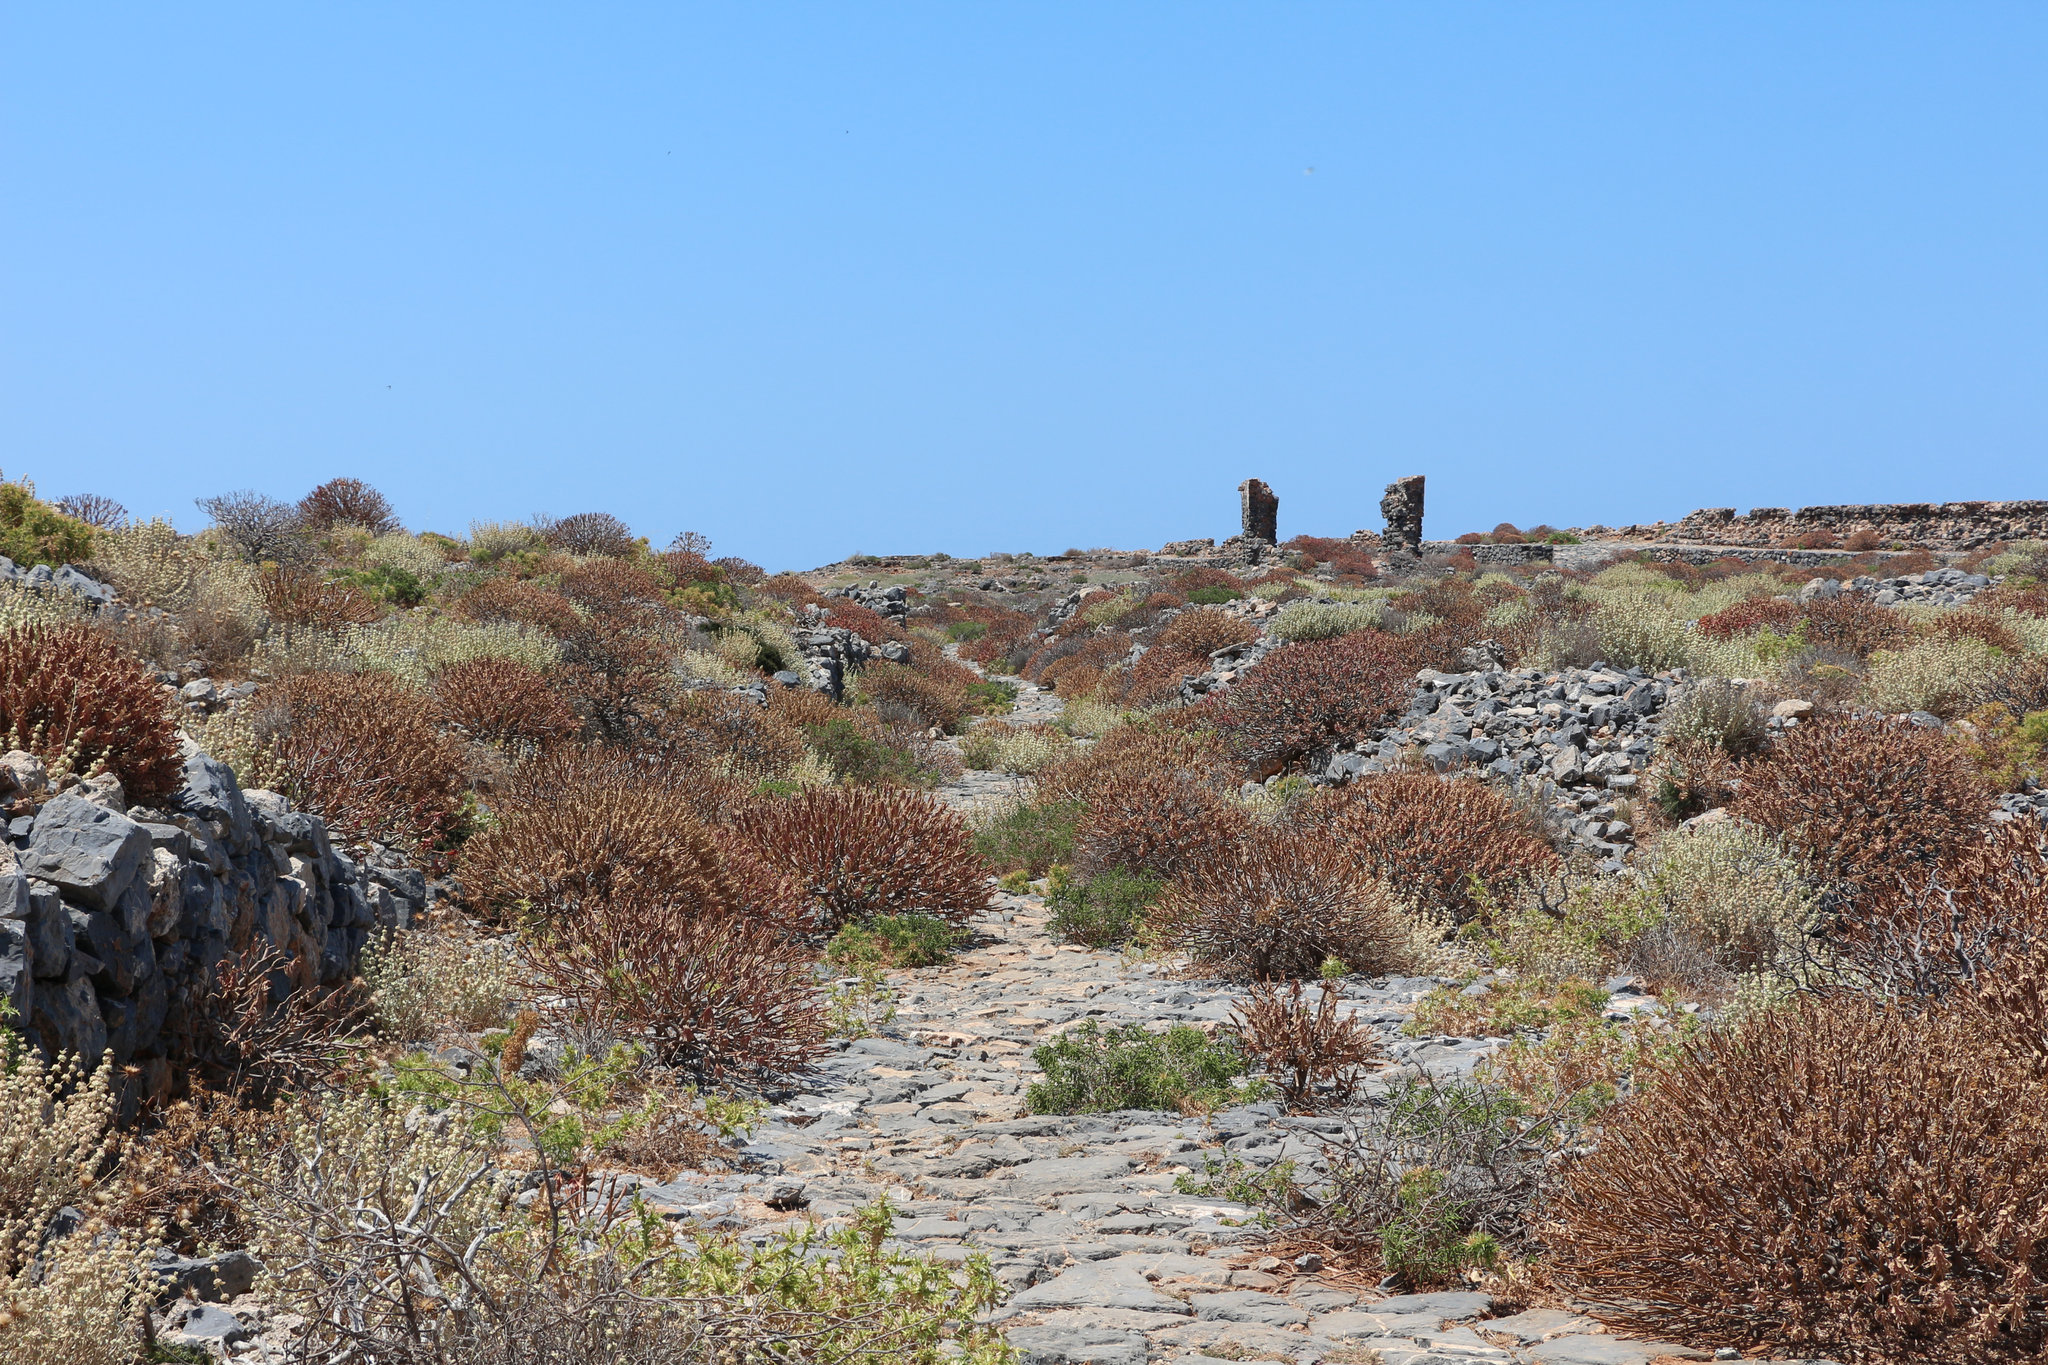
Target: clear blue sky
[(817, 279)]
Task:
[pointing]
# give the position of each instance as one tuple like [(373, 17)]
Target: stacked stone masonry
[(113, 918), (1946, 525)]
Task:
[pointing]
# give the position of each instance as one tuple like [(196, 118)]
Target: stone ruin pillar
[(1260, 511), (1402, 507)]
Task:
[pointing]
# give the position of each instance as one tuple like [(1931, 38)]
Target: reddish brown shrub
[(728, 733), (1853, 624), (588, 825), (1081, 680), (2021, 690), (902, 693), (347, 502), (1976, 625), (611, 584), (868, 624), (1437, 844), (787, 587), (1752, 613), (507, 599), (296, 596), (1861, 799), (69, 690), (1132, 750), (2028, 601), (858, 852), (1305, 1047), (1193, 580), (1099, 652), (1833, 1179), (1153, 680), (1344, 558), (364, 752), (1306, 696), (1205, 631), (708, 987), (1274, 908), (502, 702), (589, 533), (800, 706), (1154, 820), (1811, 540)]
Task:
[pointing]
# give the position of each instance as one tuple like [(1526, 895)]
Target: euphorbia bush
[(858, 852), (68, 692)]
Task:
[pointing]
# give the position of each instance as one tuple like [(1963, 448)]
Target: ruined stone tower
[(1260, 511)]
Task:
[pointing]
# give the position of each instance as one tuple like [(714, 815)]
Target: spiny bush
[(296, 595), (1093, 1070), (347, 502), (1305, 697), (1834, 1178), (589, 533), (1274, 908), (1859, 799), (1155, 820), (583, 825), (1440, 846), (509, 600), (1779, 614), (1307, 1047), (703, 988), (363, 751), (1105, 911), (1204, 632), (70, 695), (96, 510), (33, 532), (858, 852), (1154, 679), (728, 733), (1853, 624), (503, 702), (903, 694)]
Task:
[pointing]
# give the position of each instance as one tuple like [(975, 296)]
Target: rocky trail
[(1105, 1259)]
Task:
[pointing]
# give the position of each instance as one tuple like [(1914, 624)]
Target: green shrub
[(1029, 837), (34, 532), (861, 760), (1102, 912), (389, 583), (961, 632), (893, 941), (1092, 1070), (992, 696), (1213, 597), (1325, 620)]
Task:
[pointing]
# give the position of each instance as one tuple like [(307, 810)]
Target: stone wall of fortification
[(1941, 526)]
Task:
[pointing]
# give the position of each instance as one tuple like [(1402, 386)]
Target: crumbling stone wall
[(1402, 507), (1942, 526), (112, 917)]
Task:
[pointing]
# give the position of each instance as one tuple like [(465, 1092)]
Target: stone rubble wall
[(112, 918), (1946, 525)]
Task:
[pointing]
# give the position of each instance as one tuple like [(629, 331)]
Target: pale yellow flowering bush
[(413, 646), (1939, 676), (422, 982), (1325, 620)]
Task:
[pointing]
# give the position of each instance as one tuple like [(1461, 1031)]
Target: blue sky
[(818, 279)]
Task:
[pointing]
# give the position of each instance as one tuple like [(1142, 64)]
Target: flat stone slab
[(1077, 1344), (1601, 1350), (1245, 1305), (1538, 1324), (1061, 1175), (1457, 1306), (1097, 1284)]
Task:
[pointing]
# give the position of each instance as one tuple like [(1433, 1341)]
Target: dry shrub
[(1780, 614), (1442, 846), (1274, 908), (1205, 631), (1081, 680), (2020, 690), (1861, 798), (1831, 1179), (260, 529), (1156, 820), (503, 702), (1075, 651), (1156, 677), (347, 502), (902, 693), (601, 584), (730, 734), (858, 852), (96, 510), (1127, 751), (421, 983), (1307, 696), (589, 533), (685, 967), (1340, 557), (1304, 1047), (507, 599), (788, 587), (868, 624), (1980, 626), (294, 595), (587, 824), (364, 752), (69, 694), (1853, 624)]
